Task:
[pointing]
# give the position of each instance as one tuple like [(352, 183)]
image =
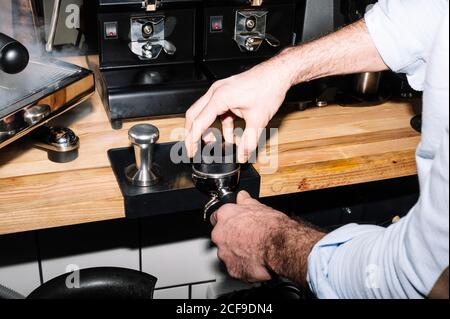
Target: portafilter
[(216, 172)]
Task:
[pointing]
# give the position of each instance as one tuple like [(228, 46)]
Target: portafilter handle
[(14, 57), (217, 174), (143, 137), (216, 203)]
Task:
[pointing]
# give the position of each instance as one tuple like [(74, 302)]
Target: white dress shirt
[(406, 259)]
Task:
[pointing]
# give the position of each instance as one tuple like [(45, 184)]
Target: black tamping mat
[(175, 192)]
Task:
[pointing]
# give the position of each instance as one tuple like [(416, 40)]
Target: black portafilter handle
[(209, 210), (217, 175), (14, 57)]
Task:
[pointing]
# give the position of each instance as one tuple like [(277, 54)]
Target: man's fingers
[(244, 198), (209, 136), (191, 115), (196, 108), (202, 122), (228, 127), (213, 219), (247, 144)]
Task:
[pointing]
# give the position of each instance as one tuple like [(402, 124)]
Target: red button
[(217, 23)]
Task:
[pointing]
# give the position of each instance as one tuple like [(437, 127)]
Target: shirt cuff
[(321, 254)]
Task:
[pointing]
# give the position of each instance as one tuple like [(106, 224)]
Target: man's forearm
[(349, 50), (289, 246)]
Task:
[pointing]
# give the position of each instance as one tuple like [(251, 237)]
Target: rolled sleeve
[(401, 261), (403, 32), (322, 253)]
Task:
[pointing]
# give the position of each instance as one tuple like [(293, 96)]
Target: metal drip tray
[(41, 92), (35, 78)]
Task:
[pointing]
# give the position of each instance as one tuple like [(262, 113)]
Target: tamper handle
[(143, 137)]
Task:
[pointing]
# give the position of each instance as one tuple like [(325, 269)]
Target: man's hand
[(257, 94), (241, 234), (254, 96), (253, 239)]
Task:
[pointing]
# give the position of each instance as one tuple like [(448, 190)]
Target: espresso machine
[(148, 58), (35, 90)]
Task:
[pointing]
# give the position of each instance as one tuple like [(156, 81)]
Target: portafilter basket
[(216, 172)]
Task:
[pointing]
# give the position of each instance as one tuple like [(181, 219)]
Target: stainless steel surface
[(272, 41), (38, 94), (203, 175), (256, 3), (148, 37), (319, 19), (250, 30), (36, 113), (368, 83), (53, 25), (147, 30), (250, 23), (151, 5), (142, 173), (217, 179), (253, 43), (58, 139), (36, 78), (169, 47), (321, 103), (217, 186)]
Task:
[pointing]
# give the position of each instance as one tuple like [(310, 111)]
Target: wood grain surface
[(314, 149)]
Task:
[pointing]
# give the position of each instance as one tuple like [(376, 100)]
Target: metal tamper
[(142, 173)]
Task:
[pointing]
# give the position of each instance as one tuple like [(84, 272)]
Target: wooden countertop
[(318, 148)]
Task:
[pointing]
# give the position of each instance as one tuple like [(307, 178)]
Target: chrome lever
[(169, 47), (272, 41), (252, 43)]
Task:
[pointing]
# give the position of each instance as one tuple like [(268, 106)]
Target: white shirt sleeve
[(403, 32), (405, 259), (401, 261)]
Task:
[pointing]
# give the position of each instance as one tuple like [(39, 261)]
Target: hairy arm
[(278, 243), (349, 50), (288, 249), (256, 95)]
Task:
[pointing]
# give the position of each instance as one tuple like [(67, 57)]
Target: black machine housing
[(224, 51), (159, 61), (167, 81)]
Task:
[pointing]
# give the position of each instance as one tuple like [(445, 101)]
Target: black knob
[(14, 56)]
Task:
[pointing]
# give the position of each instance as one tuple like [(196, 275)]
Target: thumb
[(244, 198), (247, 144)]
